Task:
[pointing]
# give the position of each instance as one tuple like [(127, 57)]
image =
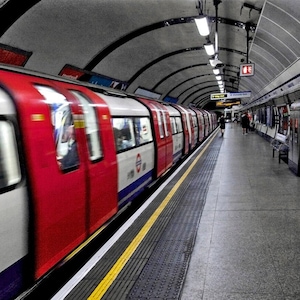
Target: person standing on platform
[(222, 124), (245, 123)]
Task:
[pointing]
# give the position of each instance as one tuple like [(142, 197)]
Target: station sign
[(246, 70), (235, 95)]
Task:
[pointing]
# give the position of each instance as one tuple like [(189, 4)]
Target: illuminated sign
[(227, 104), (247, 70), (236, 95), (218, 96)]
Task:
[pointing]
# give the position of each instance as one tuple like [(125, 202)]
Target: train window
[(165, 124), (91, 127), (63, 128), (173, 125), (179, 124), (124, 133), (160, 119), (142, 130), (160, 124), (10, 172), (194, 121)]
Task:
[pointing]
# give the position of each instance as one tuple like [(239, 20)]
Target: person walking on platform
[(222, 124), (245, 123)]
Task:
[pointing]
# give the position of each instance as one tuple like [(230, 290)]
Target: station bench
[(280, 144)]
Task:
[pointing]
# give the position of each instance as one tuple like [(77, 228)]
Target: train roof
[(124, 106)]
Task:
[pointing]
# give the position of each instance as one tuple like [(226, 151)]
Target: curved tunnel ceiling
[(156, 45)]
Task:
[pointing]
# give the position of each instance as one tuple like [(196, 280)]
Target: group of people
[(245, 123)]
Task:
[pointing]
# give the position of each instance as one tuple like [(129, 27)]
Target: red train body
[(61, 208)]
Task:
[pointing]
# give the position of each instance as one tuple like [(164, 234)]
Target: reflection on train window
[(63, 128), (91, 127), (9, 161), (124, 133), (143, 133)]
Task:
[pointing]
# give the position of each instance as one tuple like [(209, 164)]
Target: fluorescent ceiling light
[(210, 49), (220, 82), (202, 25), (219, 77), (216, 71)]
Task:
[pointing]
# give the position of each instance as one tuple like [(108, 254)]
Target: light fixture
[(219, 77), (210, 49), (216, 63), (202, 25), (216, 71)]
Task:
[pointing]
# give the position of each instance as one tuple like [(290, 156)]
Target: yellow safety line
[(119, 265)]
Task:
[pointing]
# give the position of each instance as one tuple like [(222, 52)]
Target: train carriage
[(134, 141), (162, 136)]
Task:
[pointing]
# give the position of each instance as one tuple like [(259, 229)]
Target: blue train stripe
[(12, 281), (134, 189)]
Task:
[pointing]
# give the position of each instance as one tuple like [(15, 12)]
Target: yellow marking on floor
[(121, 262), (85, 243)]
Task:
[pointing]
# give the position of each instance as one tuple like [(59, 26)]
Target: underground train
[(72, 155)]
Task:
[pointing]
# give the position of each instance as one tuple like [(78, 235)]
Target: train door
[(13, 204), (168, 138), (209, 119), (200, 124), (194, 127), (206, 123), (101, 163), (185, 128), (58, 174), (163, 135), (177, 132), (164, 138)]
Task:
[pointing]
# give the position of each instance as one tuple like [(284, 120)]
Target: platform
[(227, 226), (248, 241)]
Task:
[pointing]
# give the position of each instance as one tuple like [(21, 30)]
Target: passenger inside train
[(71, 158)]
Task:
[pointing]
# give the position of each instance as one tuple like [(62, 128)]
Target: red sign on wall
[(13, 56), (71, 72), (247, 70)]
